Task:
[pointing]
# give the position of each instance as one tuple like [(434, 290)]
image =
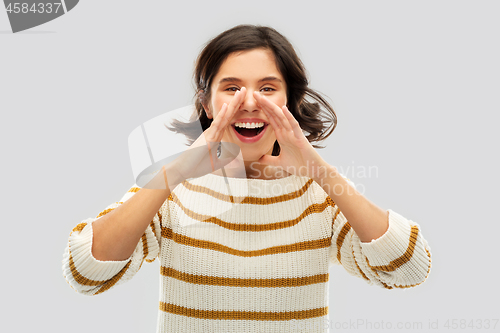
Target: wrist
[(325, 171), (172, 175), (167, 178)]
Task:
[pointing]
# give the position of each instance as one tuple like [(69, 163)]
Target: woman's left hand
[(297, 155)]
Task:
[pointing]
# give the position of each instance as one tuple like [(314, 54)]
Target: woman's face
[(256, 71)]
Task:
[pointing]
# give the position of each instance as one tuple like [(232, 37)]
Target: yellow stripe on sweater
[(247, 200), (80, 278), (396, 263), (106, 284), (104, 212), (295, 247), (238, 282), (314, 208), (242, 315), (111, 282)]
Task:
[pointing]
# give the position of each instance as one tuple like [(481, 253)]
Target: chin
[(251, 154), (252, 157)]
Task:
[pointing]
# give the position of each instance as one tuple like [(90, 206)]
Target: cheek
[(279, 99), (217, 102)]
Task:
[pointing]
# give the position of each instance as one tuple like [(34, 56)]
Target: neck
[(253, 170)]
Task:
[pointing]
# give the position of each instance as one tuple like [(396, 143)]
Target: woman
[(248, 254)]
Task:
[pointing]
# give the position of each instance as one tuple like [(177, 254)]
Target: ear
[(207, 111), (203, 100)]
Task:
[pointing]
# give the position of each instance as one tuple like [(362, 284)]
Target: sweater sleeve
[(90, 276), (400, 258)]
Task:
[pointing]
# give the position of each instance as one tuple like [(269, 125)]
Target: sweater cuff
[(392, 244), (85, 264)]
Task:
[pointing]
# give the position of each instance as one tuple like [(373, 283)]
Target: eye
[(232, 89), (268, 89)]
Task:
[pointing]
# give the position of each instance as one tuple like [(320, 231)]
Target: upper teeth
[(249, 125)]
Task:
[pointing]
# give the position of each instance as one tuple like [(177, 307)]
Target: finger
[(276, 112), (234, 106), (225, 114), (261, 103), (278, 130), (235, 103), (230, 110), (276, 124), (297, 130), (215, 130), (220, 120), (223, 118), (279, 116)]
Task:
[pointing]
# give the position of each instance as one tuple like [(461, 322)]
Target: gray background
[(414, 83)]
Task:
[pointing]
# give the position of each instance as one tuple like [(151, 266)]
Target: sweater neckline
[(248, 187), (255, 180), (253, 187)]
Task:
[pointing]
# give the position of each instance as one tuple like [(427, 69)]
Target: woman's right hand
[(201, 157)]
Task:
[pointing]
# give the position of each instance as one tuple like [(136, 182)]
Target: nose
[(249, 103)]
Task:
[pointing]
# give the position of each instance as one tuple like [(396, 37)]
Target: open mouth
[(249, 132)]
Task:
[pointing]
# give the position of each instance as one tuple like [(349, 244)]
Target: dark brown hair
[(315, 117)]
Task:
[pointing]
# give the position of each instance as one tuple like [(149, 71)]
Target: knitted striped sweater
[(250, 255)]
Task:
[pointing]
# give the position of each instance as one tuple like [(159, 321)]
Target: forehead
[(249, 65)]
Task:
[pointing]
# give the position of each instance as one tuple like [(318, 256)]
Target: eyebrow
[(235, 79)]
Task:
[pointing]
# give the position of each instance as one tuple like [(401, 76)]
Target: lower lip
[(250, 139)]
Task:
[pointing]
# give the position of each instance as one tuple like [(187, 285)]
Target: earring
[(219, 149)]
